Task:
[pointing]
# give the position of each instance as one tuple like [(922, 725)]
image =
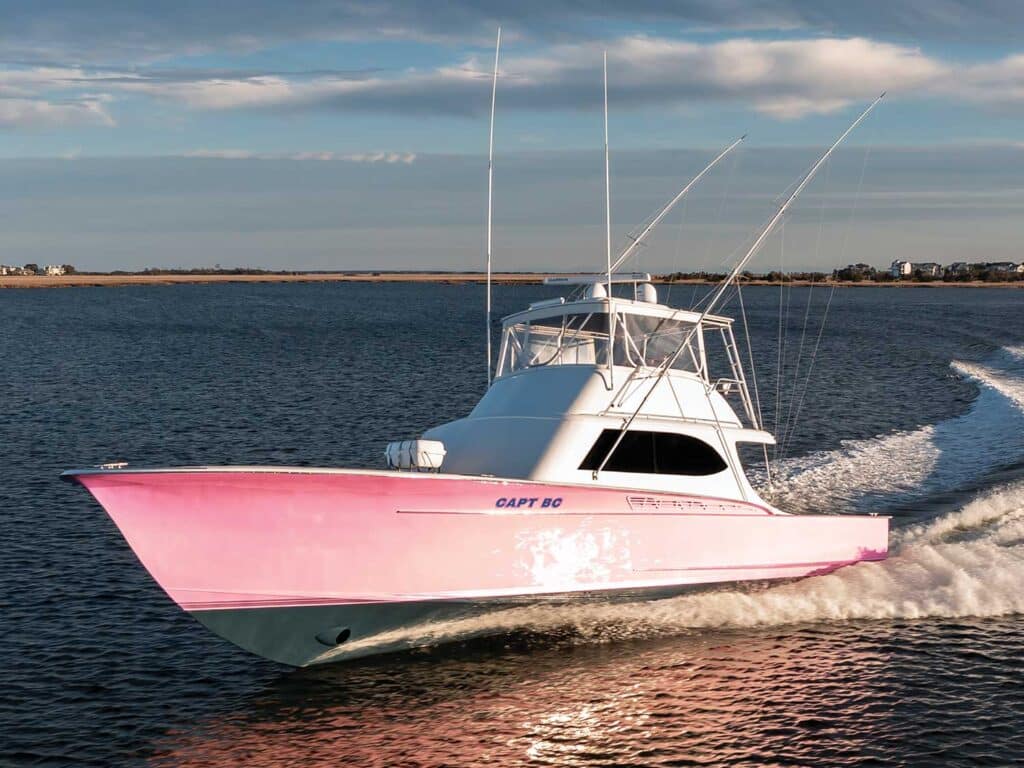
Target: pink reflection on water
[(720, 697)]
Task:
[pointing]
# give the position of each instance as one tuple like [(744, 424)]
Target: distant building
[(901, 269), (53, 270), (915, 269), (926, 269), (960, 268), (8, 270), (1008, 267)]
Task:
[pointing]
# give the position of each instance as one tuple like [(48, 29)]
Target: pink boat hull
[(308, 566)]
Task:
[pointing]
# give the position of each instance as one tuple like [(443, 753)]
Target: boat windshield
[(582, 339), (648, 341), (571, 339)]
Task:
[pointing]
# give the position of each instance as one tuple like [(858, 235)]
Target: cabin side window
[(654, 453)]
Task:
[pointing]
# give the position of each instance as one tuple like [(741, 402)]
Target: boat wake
[(875, 474), (968, 563)]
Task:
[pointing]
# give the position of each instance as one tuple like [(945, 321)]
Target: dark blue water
[(916, 408)]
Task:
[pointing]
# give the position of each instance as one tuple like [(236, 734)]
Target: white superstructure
[(571, 374), (618, 391)]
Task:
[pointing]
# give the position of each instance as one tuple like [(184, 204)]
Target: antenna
[(490, 200), (608, 225), (607, 184)]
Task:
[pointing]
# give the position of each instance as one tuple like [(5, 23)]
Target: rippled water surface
[(915, 409)]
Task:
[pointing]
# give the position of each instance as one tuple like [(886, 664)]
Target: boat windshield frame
[(576, 333)]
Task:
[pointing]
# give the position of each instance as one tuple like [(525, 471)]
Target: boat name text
[(518, 503)]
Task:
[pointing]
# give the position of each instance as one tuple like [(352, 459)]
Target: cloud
[(997, 82), (83, 30), (785, 79), (27, 113), (130, 212), (222, 154), (43, 97), (220, 93), (389, 158)]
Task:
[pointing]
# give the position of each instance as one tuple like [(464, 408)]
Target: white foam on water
[(1010, 386), (863, 475), (969, 563), (890, 467)]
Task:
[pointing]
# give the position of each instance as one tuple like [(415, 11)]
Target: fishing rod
[(668, 362)]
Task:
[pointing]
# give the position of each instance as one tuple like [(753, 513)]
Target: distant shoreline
[(115, 280), (502, 278)]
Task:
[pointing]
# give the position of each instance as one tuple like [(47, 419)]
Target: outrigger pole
[(490, 200), (668, 362), (782, 211), (638, 240)]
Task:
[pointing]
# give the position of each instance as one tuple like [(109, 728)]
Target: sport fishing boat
[(602, 462)]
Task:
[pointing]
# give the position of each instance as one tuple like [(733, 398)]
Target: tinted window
[(655, 453)]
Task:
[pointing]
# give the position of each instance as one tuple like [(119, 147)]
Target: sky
[(353, 135)]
